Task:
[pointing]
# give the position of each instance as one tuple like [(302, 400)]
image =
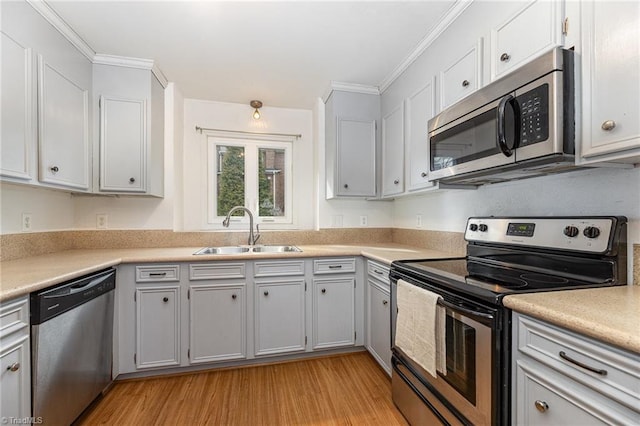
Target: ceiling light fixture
[(257, 105)]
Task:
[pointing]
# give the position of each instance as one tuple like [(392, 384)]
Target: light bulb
[(256, 114)]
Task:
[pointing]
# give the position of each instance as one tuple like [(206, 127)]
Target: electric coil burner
[(504, 256)]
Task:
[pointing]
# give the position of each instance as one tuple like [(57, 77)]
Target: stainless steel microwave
[(521, 125)]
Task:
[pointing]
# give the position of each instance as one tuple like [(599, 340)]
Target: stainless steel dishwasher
[(72, 343)]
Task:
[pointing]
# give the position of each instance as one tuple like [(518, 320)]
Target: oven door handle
[(465, 311)]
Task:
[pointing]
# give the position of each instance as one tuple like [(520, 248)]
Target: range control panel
[(587, 234)]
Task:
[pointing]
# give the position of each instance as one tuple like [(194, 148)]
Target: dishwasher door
[(72, 357)]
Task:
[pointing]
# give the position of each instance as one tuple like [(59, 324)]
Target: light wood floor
[(337, 390)]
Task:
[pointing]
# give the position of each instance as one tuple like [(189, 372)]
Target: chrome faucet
[(252, 238)]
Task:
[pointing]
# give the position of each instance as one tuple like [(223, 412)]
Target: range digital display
[(521, 229)]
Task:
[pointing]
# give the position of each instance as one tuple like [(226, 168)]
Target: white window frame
[(251, 145)]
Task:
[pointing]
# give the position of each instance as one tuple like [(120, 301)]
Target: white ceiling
[(283, 53)]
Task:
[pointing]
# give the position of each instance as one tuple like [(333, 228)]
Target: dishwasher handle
[(76, 288)]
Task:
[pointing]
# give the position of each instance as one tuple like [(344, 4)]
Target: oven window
[(470, 140), (461, 358)]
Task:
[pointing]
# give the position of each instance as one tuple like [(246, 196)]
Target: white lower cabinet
[(279, 316), (560, 377), (217, 322), (157, 326), (15, 364), (333, 312)]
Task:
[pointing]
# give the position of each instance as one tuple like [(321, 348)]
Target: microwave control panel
[(534, 113)]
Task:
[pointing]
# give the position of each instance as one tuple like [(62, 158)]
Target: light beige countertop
[(608, 314), (22, 276)]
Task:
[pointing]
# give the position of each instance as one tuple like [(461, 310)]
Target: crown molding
[(451, 15), (123, 61), (164, 81), (349, 87), (63, 28)]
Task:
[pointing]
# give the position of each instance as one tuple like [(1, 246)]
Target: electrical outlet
[(26, 222), (336, 221), (101, 221), (419, 220), (363, 221)]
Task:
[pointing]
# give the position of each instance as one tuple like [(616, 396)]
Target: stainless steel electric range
[(504, 256)]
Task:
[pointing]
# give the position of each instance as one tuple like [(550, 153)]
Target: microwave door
[(542, 112), (470, 143)]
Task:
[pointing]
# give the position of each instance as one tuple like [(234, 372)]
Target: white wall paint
[(135, 212), (50, 210)]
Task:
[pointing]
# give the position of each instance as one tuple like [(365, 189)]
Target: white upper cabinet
[(131, 135), (462, 77), (610, 81), (420, 107), (18, 143), (350, 149), (63, 128), (393, 152), (533, 30)]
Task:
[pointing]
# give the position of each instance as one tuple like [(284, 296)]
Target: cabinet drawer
[(378, 271), (612, 372), (279, 268), (155, 273), (216, 271), (334, 266), (14, 316)]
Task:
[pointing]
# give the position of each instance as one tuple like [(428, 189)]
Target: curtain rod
[(201, 129)]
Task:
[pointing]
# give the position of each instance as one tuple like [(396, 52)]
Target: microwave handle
[(502, 126)]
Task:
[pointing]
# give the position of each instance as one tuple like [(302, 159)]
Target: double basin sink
[(248, 249)]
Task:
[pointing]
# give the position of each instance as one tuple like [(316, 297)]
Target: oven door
[(468, 386)]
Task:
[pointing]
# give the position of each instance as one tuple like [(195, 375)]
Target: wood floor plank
[(340, 390)]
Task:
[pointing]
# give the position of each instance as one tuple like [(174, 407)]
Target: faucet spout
[(252, 238)]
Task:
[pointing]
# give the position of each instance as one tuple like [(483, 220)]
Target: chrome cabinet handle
[(323, 291), (132, 180), (14, 367), (384, 302), (54, 169), (335, 266), (423, 174), (266, 293), (608, 125), (465, 83), (505, 57), (378, 272), (566, 357), (541, 406), (233, 296), (157, 274), (397, 181), (165, 299)]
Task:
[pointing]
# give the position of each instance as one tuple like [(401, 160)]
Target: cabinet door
[(217, 322), (532, 31), (17, 133), (420, 108), (462, 77), (157, 326), (123, 144), (333, 312), (379, 324), (356, 147), (393, 152), (610, 82), (63, 129), (279, 317), (15, 398)]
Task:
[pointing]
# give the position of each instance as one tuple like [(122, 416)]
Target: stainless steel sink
[(223, 250), (248, 249), (276, 249)]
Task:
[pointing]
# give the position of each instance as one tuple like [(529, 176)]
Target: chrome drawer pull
[(541, 406), (335, 266), (566, 357), (157, 274), (378, 272)]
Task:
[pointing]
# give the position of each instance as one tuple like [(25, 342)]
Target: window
[(251, 173)]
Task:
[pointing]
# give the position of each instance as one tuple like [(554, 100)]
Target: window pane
[(271, 181), (230, 179)]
